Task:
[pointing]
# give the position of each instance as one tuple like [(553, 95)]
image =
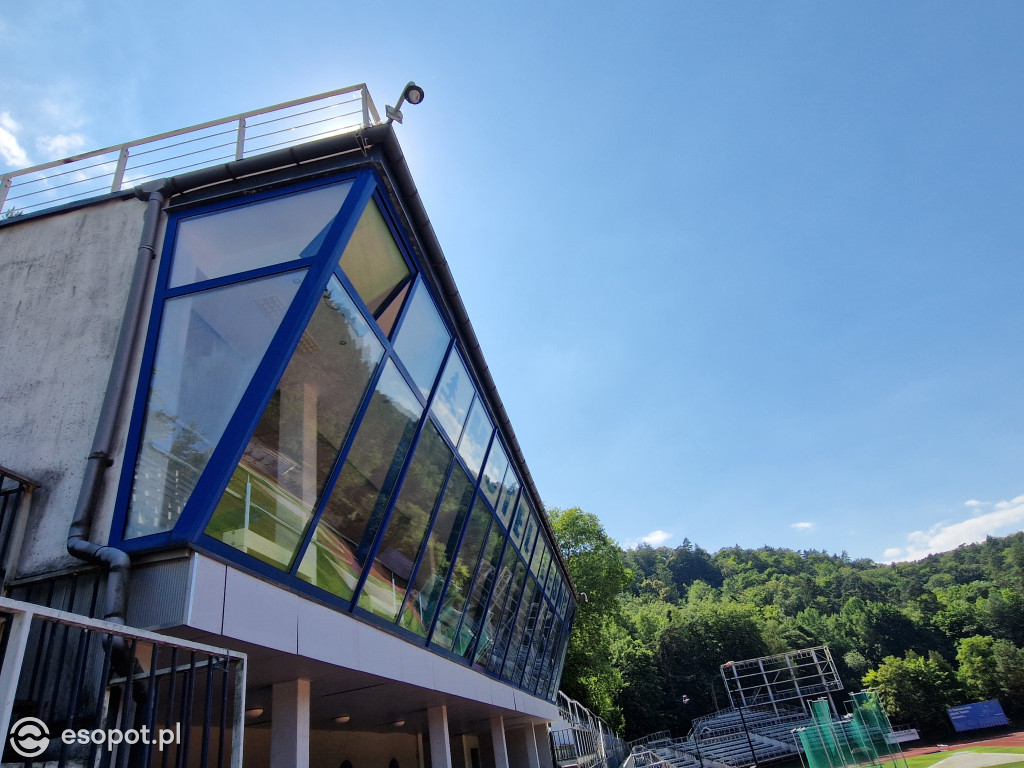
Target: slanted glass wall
[(310, 416)]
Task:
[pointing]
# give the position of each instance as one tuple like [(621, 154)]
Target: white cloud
[(975, 503), (10, 149), (803, 526), (655, 538), (61, 145), (1006, 517)]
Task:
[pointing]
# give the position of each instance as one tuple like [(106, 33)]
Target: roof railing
[(123, 166)]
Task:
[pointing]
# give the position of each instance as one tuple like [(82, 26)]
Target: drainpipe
[(117, 561)]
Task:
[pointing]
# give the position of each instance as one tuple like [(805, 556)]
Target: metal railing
[(15, 498), (86, 692), (231, 138)]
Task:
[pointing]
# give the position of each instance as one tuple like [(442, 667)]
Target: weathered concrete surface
[(65, 280)]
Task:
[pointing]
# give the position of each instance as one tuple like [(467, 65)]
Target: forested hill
[(658, 623)]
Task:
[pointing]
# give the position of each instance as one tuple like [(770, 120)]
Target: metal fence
[(79, 691), (231, 138), (15, 497)]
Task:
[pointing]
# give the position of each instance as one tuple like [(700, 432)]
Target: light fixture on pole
[(412, 93), (729, 665)]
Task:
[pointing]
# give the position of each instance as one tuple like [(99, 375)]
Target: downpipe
[(117, 562)]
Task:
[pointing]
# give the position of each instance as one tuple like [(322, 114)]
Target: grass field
[(925, 761)]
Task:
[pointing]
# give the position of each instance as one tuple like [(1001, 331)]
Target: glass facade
[(307, 413)]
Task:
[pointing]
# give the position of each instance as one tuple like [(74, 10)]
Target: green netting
[(849, 742)]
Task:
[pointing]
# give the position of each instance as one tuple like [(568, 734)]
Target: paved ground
[(977, 759)]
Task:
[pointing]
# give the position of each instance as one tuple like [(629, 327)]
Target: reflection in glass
[(254, 235), (509, 496), (348, 525), (500, 585), (426, 588), (454, 395), (384, 589), (507, 622), (374, 264), (515, 657), (529, 540), (462, 576), (422, 340), (474, 441), (473, 616), (494, 472), (273, 491), (209, 347), (519, 524)]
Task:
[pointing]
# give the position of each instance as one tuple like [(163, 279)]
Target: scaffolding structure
[(794, 676)]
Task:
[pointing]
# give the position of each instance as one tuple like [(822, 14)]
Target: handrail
[(235, 143)]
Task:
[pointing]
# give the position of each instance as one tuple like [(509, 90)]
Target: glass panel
[(474, 613), (462, 575), (474, 441), (519, 525), (254, 235), (454, 395), (272, 494), (494, 472), (508, 498), (437, 556), (384, 589), (517, 648), (389, 316), (529, 541), (548, 663), (537, 643), (209, 347), (502, 584), (374, 263), (360, 496), (422, 340), (506, 616), (541, 562)]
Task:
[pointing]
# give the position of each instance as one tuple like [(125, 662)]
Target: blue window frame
[(267, 470)]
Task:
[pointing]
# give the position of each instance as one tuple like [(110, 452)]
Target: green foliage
[(659, 621), (915, 689)]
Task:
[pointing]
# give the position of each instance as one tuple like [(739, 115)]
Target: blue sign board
[(985, 714)]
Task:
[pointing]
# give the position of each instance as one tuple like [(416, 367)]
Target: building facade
[(303, 456)]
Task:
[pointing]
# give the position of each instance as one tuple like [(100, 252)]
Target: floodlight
[(411, 93)]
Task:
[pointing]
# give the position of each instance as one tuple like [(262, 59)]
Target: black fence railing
[(15, 493), (78, 691)]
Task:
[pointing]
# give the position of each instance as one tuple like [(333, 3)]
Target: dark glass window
[(515, 656), (507, 618), (254, 235), (425, 591), (384, 588), (209, 347), (473, 616), (352, 514), (374, 264), (273, 491), (462, 577), (502, 584), (453, 398), (508, 498), (422, 340), (494, 472), (475, 438)]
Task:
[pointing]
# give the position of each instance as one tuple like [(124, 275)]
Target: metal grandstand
[(771, 698)]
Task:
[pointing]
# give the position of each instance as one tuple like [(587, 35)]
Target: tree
[(915, 690), (599, 574)]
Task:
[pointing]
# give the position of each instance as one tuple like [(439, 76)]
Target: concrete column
[(420, 762), (532, 757), (289, 725), (540, 732), (498, 742), (440, 747)]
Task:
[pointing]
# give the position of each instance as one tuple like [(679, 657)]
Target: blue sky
[(747, 273)]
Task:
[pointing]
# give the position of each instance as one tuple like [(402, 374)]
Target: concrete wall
[(65, 280)]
